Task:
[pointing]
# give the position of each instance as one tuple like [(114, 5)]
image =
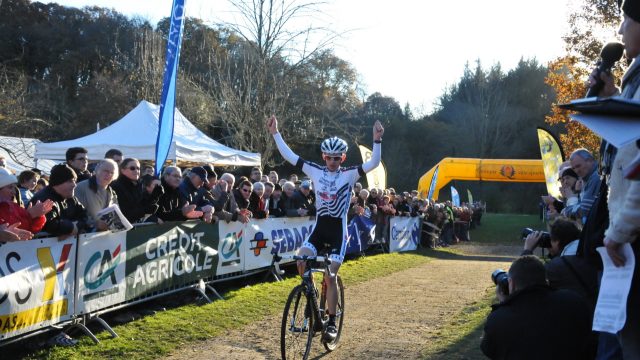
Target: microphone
[(610, 54)]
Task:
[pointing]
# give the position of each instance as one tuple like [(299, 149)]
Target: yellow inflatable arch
[(504, 170)]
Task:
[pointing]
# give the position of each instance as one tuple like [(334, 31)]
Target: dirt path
[(391, 317)]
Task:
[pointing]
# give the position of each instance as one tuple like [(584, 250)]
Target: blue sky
[(410, 50)]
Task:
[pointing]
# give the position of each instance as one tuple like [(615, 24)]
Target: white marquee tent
[(135, 135)]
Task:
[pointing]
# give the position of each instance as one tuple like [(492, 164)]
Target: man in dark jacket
[(534, 321), (189, 189), (303, 201), (68, 217), (171, 207)]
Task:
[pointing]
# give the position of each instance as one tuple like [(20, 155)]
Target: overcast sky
[(409, 49)]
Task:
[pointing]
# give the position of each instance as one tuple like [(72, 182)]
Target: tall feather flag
[(455, 197), (552, 158), (376, 178), (470, 197), (432, 185), (168, 100)]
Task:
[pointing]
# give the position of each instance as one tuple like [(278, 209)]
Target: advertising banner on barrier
[(36, 284), (405, 233), (100, 275), (169, 255), (246, 247)]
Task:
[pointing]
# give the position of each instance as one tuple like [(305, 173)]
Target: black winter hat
[(632, 9), (60, 174)]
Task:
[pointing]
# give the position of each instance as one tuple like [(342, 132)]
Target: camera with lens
[(543, 242), (501, 279)]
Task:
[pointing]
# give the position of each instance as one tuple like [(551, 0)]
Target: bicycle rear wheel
[(330, 346), (296, 332)]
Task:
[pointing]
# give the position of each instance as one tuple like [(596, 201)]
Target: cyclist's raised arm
[(285, 151), (378, 131)]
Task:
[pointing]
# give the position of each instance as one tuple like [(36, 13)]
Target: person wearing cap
[(96, 193), (303, 201), (31, 219), (171, 205), (624, 188), (68, 216), (205, 193), (190, 187)]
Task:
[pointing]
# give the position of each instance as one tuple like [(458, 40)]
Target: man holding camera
[(565, 270), (535, 321)]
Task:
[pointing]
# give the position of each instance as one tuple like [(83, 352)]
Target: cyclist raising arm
[(333, 185)]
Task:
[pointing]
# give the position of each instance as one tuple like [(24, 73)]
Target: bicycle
[(304, 313)]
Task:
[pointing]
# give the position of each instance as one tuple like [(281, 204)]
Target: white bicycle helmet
[(334, 145)]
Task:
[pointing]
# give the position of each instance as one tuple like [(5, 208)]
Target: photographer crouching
[(534, 321)]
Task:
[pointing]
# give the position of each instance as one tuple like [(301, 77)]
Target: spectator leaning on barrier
[(189, 188), (242, 193), (223, 193), (31, 219), (303, 201), (78, 160), (258, 205), (275, 210), (134, 201), (96, 194), (171, 207), (535, 321), (68, 216)]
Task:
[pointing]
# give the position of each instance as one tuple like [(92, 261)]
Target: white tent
[(135, 135), (19, 154)]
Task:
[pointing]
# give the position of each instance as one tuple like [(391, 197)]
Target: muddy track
[(390, 317)]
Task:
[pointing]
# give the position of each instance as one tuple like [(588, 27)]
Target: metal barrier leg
[(86, 331), (202, 289), (276, 272), (214, 292), (105, 326)]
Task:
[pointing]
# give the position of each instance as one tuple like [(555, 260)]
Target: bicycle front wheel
[(296, 332), (330, 346)]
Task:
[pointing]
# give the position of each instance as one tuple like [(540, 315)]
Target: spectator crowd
[(67, 201)]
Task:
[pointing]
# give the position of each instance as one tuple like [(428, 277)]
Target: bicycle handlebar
[(324, 259)]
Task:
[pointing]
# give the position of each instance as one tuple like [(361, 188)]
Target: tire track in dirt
[(385, 318)]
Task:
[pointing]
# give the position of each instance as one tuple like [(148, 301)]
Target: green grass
[(460, 338), (504, 228), (154, 336)]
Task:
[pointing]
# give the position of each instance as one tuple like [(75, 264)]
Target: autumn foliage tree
[(592, 22)]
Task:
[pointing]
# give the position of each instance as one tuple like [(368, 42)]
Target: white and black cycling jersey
[(332, 189)]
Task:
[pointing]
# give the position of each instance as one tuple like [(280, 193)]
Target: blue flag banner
[(455, 197), (168, 100), (361, 231), (432, 186)]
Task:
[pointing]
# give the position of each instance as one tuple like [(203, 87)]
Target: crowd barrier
[(47, 282)]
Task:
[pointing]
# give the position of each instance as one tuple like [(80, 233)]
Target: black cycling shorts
[(328, 236)]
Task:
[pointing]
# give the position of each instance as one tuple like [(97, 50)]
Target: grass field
[(504, 228), (154, 336)]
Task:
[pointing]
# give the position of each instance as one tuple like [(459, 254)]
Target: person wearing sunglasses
[(333, 185), (134, 201)]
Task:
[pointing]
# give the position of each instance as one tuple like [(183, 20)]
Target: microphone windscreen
[(611, 53)]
